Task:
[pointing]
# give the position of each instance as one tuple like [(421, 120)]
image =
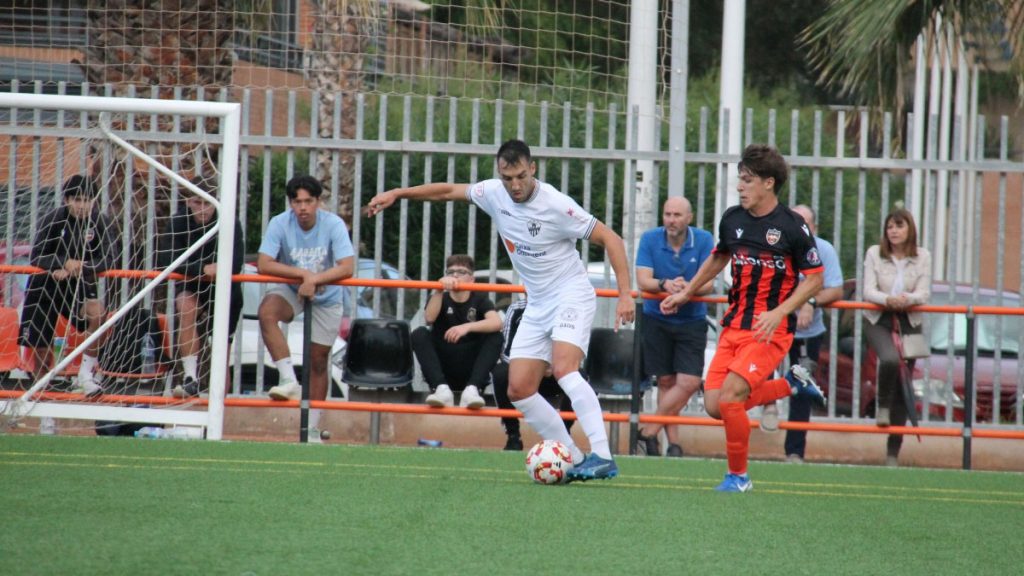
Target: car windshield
[(992, 332)]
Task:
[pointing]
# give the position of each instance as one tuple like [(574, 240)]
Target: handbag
[(915, 346)]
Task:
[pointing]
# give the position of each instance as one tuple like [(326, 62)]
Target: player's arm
[(438, 191), (766, 322), (433, 308), (829, 295), (269, 266), (42, 255), (342, 270), (604, 236), (102, 255)]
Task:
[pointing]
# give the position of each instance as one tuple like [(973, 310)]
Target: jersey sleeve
[(482, 194), (341, 245), (271, 243), (723, 228), (805, 251), (578, 222), (645, 252)]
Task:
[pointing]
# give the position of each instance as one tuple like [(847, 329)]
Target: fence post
[(307, 361), (969, 388), (638, 374)]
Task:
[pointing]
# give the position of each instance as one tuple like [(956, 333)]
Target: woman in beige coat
[(897, 276)]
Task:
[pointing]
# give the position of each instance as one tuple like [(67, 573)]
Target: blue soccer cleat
[(802, 384), (593, 467), (735, 483)]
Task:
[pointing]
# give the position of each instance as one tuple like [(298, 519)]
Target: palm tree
[(864, 49)]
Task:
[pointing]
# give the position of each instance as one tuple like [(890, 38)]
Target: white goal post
[(226, 140)]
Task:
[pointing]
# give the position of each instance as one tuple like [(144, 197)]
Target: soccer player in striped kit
[(769, 246)]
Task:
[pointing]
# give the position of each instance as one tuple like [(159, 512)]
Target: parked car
[(932, 375)]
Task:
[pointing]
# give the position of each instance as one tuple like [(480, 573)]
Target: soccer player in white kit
[(539, 227)]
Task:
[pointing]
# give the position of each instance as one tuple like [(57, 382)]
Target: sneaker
[(892, 461), (286, 391), (188, 389), (794, 459), (802, 384), (882, 418), (647, 445), (317, 436), (442, 397), (674, 451), (470, 398), (47, 426), (770, 418), (594, 467), (735, 483), (514, 443), (86, 384)]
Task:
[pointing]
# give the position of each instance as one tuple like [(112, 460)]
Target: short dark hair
[(79, 186), (303, 182), (765, 161), (460, 260), (513, 151)]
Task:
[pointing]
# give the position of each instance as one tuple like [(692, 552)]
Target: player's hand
[(625, 311), (73, 267), (766, 323), (380, 202), (456, 333), (59, 275), (210, 270), (671, 304), (805, 316), (897, 303)]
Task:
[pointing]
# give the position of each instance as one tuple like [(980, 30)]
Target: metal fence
[(844, 166)]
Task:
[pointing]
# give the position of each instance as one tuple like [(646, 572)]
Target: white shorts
[(326, 319), (565, 319)]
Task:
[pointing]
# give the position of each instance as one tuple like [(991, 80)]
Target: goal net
[(117, 236)]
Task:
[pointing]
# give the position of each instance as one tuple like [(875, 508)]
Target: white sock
[(189, 365), (543, 418), (285, 370), (88, 365), (588, 412), (314, 418)]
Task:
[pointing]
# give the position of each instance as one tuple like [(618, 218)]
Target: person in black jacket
[(74, 243), (193, 301)]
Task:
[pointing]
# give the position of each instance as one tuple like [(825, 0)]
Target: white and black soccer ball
[(549, 462)]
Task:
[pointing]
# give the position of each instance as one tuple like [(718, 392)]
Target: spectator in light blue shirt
[(667, 258), (311, 245), (810, 333)]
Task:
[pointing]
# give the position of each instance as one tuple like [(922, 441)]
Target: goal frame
[(228, 138)]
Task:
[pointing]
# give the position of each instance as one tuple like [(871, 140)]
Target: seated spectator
[(75, 242), (193, 302), (549, 387), (461, 342)]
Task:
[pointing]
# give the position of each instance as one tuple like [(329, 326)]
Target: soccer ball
[(549, 462)]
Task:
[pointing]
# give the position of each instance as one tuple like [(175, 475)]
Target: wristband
[(661, 284), (812, 302)]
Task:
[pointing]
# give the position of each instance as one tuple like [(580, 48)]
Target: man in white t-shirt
[(539, 227), (311, 245)]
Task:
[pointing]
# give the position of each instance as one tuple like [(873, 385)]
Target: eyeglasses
[(458, 272)]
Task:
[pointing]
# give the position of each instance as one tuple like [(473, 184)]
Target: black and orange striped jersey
[(768, 254)]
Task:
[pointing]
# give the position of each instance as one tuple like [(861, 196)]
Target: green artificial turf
[(78, 505)]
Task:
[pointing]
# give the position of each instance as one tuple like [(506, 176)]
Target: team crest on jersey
[(471, 315), (739, 232), (533, 227), (812, 257), (773, 236)]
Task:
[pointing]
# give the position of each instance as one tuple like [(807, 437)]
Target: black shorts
[(673, 348), (204, 294), (45, 300)]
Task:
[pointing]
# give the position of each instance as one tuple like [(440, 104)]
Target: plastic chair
[(610, 363), (10, 353), (378, 364)]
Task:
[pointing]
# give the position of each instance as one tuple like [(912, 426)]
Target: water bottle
[(151, 432), (429, 443), (58, 348), (148, 354)]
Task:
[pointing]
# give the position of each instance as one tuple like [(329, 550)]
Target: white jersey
[(540, 235)]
